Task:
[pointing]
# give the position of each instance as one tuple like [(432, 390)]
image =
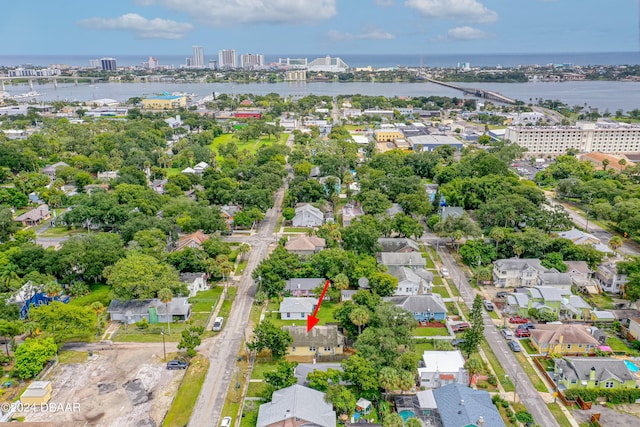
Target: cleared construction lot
[(118, 385)]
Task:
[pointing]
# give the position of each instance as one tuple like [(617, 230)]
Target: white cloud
[(142, 27), (457, 10), (226, 13), (465, 33), (368, 34)]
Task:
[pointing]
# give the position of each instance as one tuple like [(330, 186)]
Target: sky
[(323, 27)]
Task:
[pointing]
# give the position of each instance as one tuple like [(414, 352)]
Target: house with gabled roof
[(406, 259), (319, 341), (593, 372), (292, 308), (411, 281), (462, 406), (228, 213), (153, 310), (350, 211), (302, 286), (398, 244), (34, 216), (193, 240), (195, 282), (200, 168), (423, 307), (296, 406), (307, 216), (563, 339), (50, 170), (305, 245), (517, 272)]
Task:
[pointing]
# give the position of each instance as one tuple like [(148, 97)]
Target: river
[(604, 95)]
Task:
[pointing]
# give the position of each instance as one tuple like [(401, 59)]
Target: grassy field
[(537, 382), (99, 292), (241, 267), (497, 367), (251, 146), (560, 417), (296, 229), (430, 332), (618, 346), (441, 290), (185, 400), (256, 389), (61, 232), (69, 356), (526, 345), (423, 346)]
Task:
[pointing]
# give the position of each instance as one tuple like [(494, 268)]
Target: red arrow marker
[(313, 320)]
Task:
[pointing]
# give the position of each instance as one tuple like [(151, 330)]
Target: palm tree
[(616, 243), (52, 289), (165, 295), (498, 234), (98, 309), (9, 275), (518, 249), (473, 366), (389, 378), (407, 381), (359, 316), (243, 249)]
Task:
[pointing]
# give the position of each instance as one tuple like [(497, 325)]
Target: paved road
[(525, 390), (224, 348)]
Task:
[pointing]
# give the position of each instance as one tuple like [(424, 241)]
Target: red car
[(518, 319), (458, 327), (523, 333)]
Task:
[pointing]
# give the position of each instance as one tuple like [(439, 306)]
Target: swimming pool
[(406, 414), (632, 366)]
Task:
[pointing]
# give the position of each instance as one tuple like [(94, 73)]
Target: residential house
[(228, 213), (579, 237), (423, 307), (174, 122), (517, 272), (411, 281), (302, 370), (406, 259), (193, 240), (569, 339), (292, 308), (610, 279), (439, 368), (107, 175), (320, 341), (196, 282), (296, 406), (200, 168), (556, 280), (34, 216), (158, 185), (548, 299), (188, 170), (153, 310), (575, 308), (602, 316), (582, 277), (422, 405), (461, 406), (349, 212), (634, 328), (453, 211), (303, 287), (307, 216), (394, 209), (593, 372), (50, 170), (624, 316), (399, 244), (305, 245), (347, 295)]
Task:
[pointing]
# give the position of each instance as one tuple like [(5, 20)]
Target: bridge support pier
[(75, 81), (30, 84)]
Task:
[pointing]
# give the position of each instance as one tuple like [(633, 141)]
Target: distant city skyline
[(173, 27)]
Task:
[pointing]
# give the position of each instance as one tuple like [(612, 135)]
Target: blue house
[(423, 307), (460, 405)]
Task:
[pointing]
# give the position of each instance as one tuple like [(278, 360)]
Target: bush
[(77, 289), (142, 324), (492, 380), (524, 417), (613, 396)]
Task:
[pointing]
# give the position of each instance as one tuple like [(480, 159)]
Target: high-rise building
[(213, 64), (94, 63), (227, 59), (188, 62), (153, 63), (251, 61), (108, 64), (198, 57)]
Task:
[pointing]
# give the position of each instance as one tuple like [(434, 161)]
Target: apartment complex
[(198, 57), (164, 102), (251, 61), (227, 58), (108, 64), (604, 137)]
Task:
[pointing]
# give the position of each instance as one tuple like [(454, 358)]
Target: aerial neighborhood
[(261, 260)]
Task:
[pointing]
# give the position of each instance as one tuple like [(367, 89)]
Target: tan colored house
[(38, 392), (559, 339), (193, 240), (320, 341), (305, 245), (34, 216)]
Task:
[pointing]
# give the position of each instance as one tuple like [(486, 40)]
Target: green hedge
[(614, 396)]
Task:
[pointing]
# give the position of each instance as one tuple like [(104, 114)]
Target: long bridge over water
[(480, 93), (30, 79)]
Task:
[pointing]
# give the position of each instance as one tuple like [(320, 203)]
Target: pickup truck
[(523, 333)]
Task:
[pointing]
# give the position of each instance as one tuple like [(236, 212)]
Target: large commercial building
[(198, 57), (328, 64), (227, 59), (604, 137), (251, 61), (164, 102), (108, 64)]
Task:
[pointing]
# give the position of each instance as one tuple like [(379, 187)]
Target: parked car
[(502, 294), (444, 272), (226, 422), (523, 333), (458, 327), (530, 325), (507, 334), (514, 346), (518, 319), (177, 364), (217, 324), (488, 305), (457, 342)]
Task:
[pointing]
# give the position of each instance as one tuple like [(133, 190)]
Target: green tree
[(9, 330), (7, 225), (32, 355), (321, 380), (474, 366), (191, 339), (359, 316), (413, 422), (383, 284), (98, 309), (62, 320), (473, 336), (362, 235), (243, 249), (393, 420), (362, 374), (342, 399), (282, 376), (270, 337), (165, 296), (388, 378), (406, 381)]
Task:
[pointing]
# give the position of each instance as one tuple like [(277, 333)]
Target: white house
[(439, 368), (307, 216)]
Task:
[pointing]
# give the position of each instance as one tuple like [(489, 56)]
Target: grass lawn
[(241, 267), (430, 332), (497, 367), (538, 383), (526, 344), (234, 400), (61, 232), (256, 389), (249, 414), (251, 146), (204, 301), (296, 229), (559, 416), (454, 289), (602, 301), (423, 346), (172, 171), (185, 400), (99, 292), (325, 315), (261, 367), (493, 314), (226, 305), (619, 346), (441, 290), (430, 263), (437, 281), (69, 356)]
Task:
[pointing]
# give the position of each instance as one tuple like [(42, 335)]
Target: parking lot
[(118, 385)]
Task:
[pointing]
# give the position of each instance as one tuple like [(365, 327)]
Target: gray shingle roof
[(406, 259), (319, 336), (460, 405), (419, 303), (303, 284), (579, 368), (390, 244), (519, 264), (304, 369), (297, 305), (297, 402)]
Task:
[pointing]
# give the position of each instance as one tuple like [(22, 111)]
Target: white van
[(226, 421), (507, 333), (217, 324)]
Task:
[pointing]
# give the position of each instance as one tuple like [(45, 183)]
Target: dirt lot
[(119, 385), (610, 417)]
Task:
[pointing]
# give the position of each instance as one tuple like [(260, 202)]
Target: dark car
[(177, 364), (502, 294), (457, 342), (514, 346)]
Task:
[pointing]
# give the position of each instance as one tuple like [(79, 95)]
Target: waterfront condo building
[(251, 61), (227, 59), (108, 64), (603, 137), (198, 57)]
